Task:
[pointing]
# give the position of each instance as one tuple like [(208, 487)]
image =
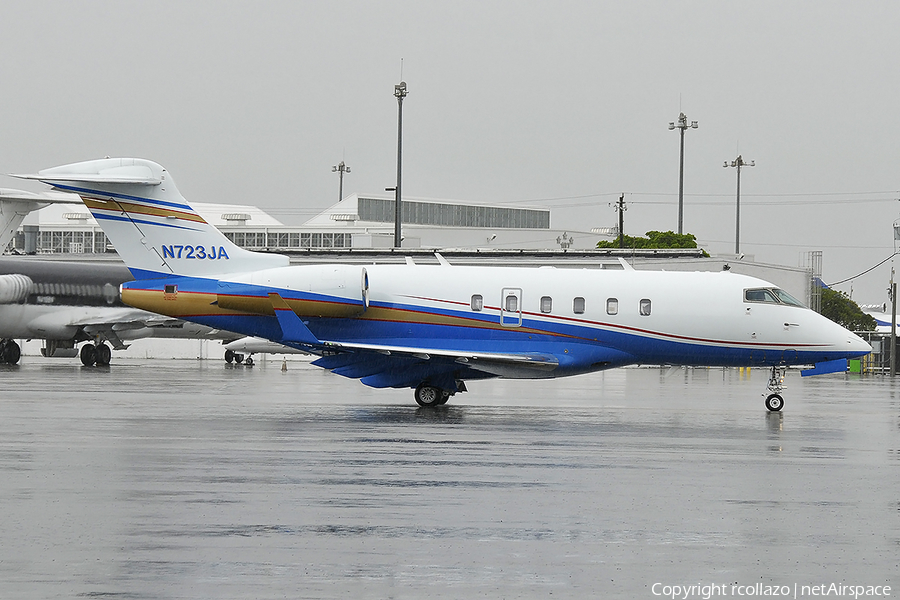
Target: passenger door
[(511, 307)]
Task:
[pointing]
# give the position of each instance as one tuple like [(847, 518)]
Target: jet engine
[(14, 288), (310, 290)]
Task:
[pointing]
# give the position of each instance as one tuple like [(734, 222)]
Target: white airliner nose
[(856, 346)]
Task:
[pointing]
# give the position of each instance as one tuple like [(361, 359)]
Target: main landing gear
[(95, 354), (234, 357), (10, 353), (774, 401), (431, 395)]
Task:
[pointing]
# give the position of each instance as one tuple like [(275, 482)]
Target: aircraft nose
[(856, 346)]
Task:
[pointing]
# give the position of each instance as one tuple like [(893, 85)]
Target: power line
[(894, 193), (864, 272)]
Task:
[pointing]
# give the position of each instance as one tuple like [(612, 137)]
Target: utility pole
[(681, 124), (340, 169), (738, 163), (621, 208), (400, 94), (893, 327)]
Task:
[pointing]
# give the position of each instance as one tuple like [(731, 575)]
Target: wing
[(406, 366), (117, 325), (399, 366)]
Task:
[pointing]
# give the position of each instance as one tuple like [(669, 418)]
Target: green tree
[(838, 307), (654, 239)]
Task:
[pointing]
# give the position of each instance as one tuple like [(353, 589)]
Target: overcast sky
[(555, 104)]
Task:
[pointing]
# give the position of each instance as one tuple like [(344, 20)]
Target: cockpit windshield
[(787, 298), (771, 296)]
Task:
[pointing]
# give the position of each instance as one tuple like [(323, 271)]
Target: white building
[(357, 221), (465, 233)]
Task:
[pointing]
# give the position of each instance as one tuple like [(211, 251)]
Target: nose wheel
[(774, 401)]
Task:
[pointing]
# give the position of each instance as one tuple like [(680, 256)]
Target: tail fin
[(149, 222)]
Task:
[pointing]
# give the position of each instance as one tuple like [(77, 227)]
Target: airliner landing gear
[(774, 401), (98, 354), (88, 355), (429, 395), (10, 353), (104, 355), (234, 357)]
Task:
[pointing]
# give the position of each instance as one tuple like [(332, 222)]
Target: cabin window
[(477, 302), (512, 303), (645, 307), (170, 288), (546, 304), (612, 306), (578, 306)]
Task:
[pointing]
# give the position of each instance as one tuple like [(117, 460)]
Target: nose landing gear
[(774, 401)]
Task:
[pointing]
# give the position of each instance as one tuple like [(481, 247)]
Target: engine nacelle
[(310, 290), (14, 288)]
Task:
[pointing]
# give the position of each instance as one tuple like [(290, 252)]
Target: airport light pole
[(681, 124), (893, 369), (621, 208), (400, 94), (340, 169), (738, 163)]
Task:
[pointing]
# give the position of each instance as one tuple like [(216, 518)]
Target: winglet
[(292, 328)]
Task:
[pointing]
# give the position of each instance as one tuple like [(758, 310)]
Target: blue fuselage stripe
[(579, 345), (103, 217), (106, 194)]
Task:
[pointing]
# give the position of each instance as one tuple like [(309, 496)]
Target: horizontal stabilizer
[(822, 368), (42, 199), (154, 229), (292, 328), (114, 171)]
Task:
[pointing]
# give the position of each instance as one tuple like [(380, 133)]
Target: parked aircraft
[(237, 350), (882, 315), (432, 328), (65, 303), (16, 204)]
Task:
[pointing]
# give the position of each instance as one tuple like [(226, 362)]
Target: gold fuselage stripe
[(140, 209)]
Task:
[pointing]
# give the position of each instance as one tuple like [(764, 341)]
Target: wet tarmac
[(190, 479)]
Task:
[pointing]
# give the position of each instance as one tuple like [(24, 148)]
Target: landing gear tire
[(428, 395), (238, 358), (445, 397), (774, 402), (103, 355), (10, 353), (88, 355), (229, 356), (249, 361)]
